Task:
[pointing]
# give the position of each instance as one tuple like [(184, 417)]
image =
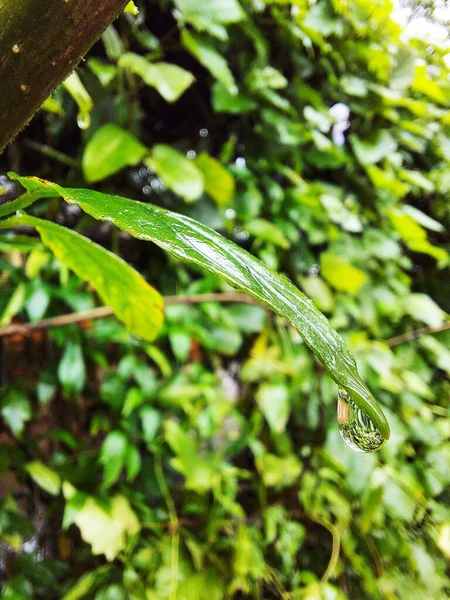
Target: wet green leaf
[(194, 243)]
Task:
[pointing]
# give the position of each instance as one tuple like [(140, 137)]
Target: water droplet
[(240, 162), (203, 132), (191, 154), (357, 430), (84, 120)]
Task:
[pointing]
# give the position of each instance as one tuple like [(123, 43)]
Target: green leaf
[(76, 89), (140, 310), (226, 102), (107, 531), (423, 308), (207, 56), (14, 306), (219, 11), (71, 369), (341, 274), (171, 81), (219, 183), (194, 243), (16, 410), (177, 172), (372, 150), (150, 420), (278, 471), (268, 232), (198, 473), (113, 456), (46, 478), (109, 150), (318, 290), (273, 401)]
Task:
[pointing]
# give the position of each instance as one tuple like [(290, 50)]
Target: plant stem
[(106, 311)]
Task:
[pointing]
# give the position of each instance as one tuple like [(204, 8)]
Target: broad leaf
[(207, 56), (134, 301), (220, 11), (46, 478), (171, 81), (219, 184), (194, 243), (109, 150), (16, 410), (177, 172)]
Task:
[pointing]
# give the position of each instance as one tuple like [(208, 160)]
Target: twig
[(412, 335), (106, 311)]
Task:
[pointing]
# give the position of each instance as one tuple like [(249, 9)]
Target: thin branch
[(106, 311), (412, 335)]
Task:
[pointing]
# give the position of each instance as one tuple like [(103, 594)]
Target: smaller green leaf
[(107, 531), (225, 102), (178, 172), (131, 8), (423, 308), (14, 306), (113, 456), (140, 308), (71, 369), (210, 59), (273, 401), (341, 274), (46, 478), (76, 89), (109, 150), (372, 150), (171, 81), (268, 232), (150, 420), (197, 471), (218, 11), (16, 410), (278, 471), (219, 183)]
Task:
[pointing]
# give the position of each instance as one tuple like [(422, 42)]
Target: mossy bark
[(41, 42)]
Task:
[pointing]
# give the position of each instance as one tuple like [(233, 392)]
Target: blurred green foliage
[(207, 463)]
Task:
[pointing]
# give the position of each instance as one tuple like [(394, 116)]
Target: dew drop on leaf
[(357, 430)]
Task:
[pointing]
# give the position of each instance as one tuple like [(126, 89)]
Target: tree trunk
[(41, 42)]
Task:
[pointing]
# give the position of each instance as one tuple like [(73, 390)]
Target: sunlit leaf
[(341, 274), (140, 308), (46, 478)]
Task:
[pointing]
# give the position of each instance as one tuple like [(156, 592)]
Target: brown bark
[(41, 42)]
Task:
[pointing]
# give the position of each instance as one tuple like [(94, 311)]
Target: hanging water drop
[(83, 120), (357, 430)]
